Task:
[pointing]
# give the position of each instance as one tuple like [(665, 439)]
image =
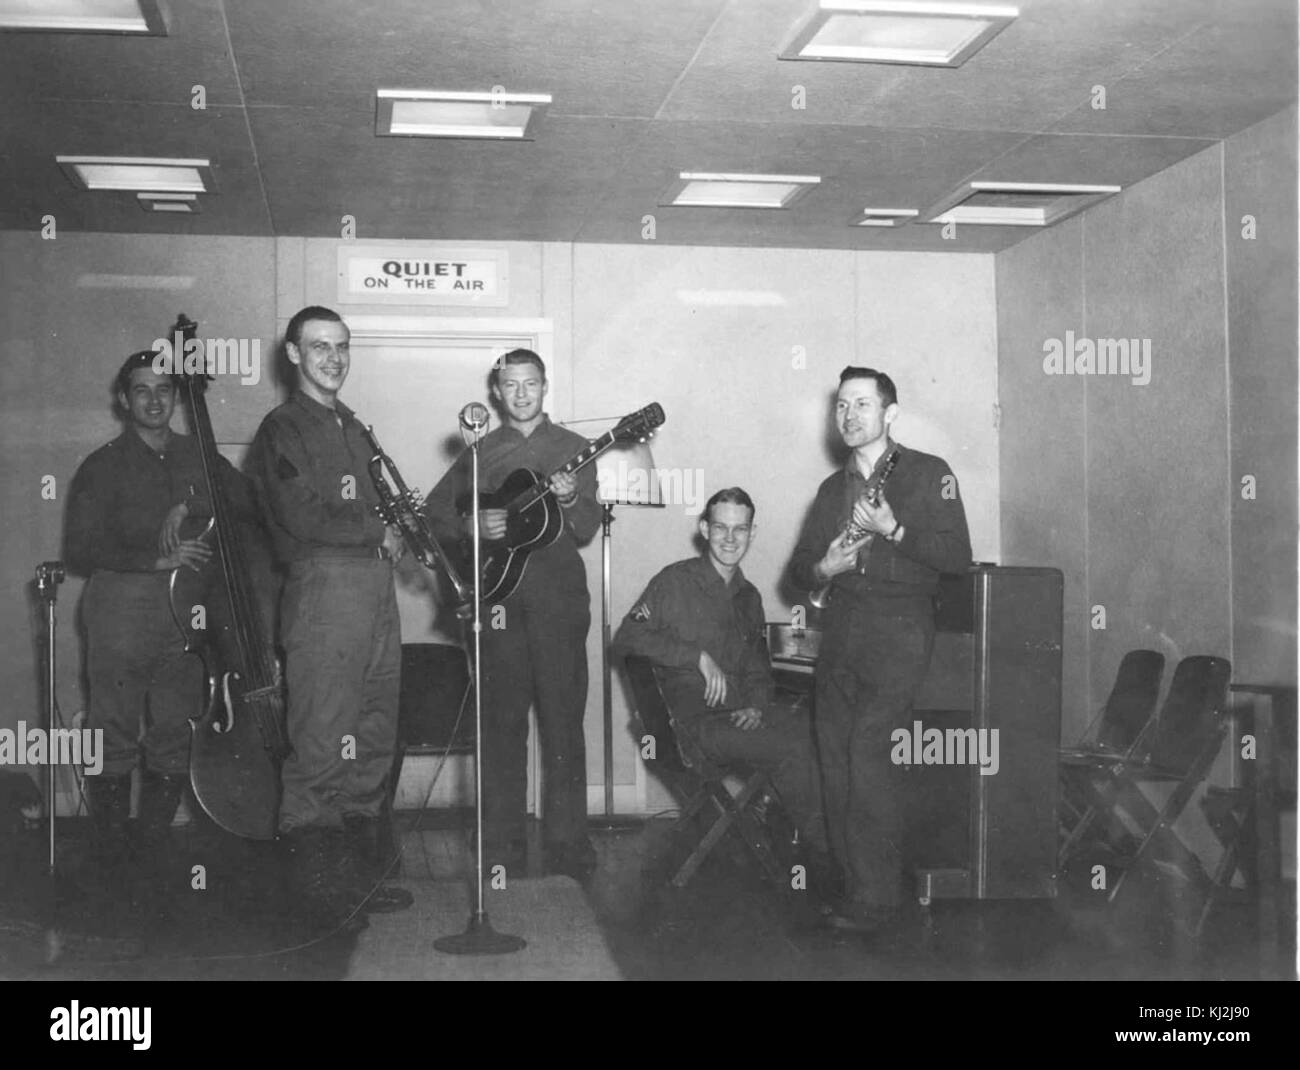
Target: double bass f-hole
[(228, 705)]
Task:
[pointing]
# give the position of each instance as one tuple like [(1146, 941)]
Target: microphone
[(474, 416)]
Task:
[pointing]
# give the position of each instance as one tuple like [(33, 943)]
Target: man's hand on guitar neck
[(877, 518), (564, 485)]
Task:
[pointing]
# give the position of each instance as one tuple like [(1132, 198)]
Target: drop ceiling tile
[(858, 167), (131, 129), (125, 129), (321, 169), (1222, 77), (102, 67), (1038, 68), (1080, 158), (608, 58), (642, 92)]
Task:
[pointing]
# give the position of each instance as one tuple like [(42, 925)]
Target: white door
[(410, 378)]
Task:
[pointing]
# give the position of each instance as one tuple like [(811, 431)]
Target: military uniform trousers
[(137, 666), (343, 659), (782, 744), (538, 656), (874, 657)]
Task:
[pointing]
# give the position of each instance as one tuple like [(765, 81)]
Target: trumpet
[(853, 531), (400, 508)]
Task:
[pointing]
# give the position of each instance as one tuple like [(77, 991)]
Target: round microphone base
[(479, 938)]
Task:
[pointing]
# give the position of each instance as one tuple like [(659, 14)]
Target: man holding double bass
[(125, 508), (534, 642)]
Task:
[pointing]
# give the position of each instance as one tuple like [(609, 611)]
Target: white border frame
[(999, 16), (537, 104), (1074, 198), (69, 164), (805, 183), (883, 217), (155, 25)]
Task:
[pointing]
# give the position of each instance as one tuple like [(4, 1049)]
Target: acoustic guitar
[(534, 519)]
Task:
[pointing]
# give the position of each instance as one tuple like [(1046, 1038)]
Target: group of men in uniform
[(700, 620), (308, 482)]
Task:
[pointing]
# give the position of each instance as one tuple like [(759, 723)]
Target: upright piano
[(996, 665)]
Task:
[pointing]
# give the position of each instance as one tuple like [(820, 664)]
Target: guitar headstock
[(640, 425)]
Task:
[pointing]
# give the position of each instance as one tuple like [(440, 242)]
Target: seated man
[(702, 622)]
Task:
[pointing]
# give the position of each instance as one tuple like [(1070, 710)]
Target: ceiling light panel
[(179, 203), (883, 217), (881, 31), (138, 174), (1016, 204), (701, 189), (433, 113), (83, 16)]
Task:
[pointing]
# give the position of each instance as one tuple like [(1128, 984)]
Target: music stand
[(625, 475)]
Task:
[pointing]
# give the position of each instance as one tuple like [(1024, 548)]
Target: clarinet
[(821, 597), (400, 508)]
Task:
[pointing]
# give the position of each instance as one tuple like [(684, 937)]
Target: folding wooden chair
[(697, 782), (1245, 816), (1115, 732), (1178, 751)]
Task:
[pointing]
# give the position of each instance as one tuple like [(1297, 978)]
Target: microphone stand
[(49, 574), (479, 938)]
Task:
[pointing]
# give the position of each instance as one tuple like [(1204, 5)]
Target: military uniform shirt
[(689, 608)]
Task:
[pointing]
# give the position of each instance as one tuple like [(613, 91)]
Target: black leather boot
[(362, 865), (111, 878), (110, 810), (314, 895), (160, 873), (160, 795)]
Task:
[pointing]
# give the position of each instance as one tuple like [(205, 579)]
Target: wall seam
[(857, 324), (1087, 529), (999, 553), (573, 326), (1227, 397)]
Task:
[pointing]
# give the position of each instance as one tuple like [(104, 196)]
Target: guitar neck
[(594, 449)]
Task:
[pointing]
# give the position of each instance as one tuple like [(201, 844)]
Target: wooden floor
[(625, 923)]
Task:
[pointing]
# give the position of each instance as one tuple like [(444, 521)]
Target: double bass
[(238, 736)]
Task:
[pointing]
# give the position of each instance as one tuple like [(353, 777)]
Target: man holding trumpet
[(339, 628)]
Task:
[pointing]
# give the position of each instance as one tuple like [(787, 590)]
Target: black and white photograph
[(592, 490)]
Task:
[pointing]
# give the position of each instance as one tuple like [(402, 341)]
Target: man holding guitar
[(879, 533), (534, 637)]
